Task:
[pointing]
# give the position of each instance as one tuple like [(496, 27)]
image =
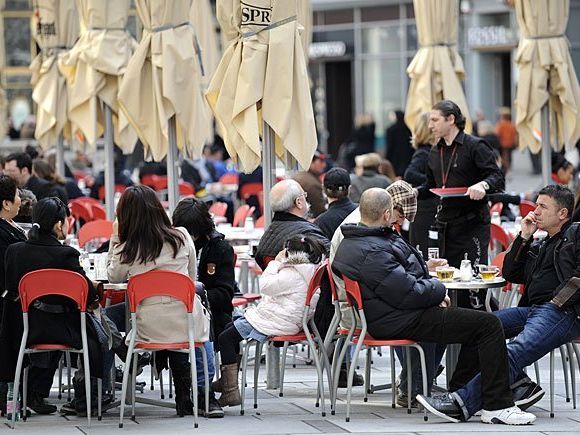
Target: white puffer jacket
[(283, 286)]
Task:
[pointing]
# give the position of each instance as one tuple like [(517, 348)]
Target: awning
[(93, 69), (263, 76), (55, 28), (546, 73), (163, 79), (436, 71)]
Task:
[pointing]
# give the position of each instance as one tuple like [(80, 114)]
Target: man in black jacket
[(336, 188), (402, 301), (549, 311), (290, 208)]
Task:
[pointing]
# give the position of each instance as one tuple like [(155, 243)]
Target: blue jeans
[(433, 354), (537, 331)]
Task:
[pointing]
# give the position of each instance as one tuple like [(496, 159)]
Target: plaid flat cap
[(404, 198)]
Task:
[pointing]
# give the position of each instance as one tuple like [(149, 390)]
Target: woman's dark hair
[(448, 107), (194, 216), (43, 170), (45, 214), (7, 188), (144, 226), (307, 244)]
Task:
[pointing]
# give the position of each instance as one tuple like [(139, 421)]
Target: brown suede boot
[(230, 388), (216, 386)]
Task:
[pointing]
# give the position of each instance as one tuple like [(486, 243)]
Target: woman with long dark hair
[(144, 240), (54, 319)]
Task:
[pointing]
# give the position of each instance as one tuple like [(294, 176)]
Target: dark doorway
[(339, 112), (506, 74)]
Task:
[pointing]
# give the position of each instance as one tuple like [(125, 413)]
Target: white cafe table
[(240, 235), (453, 287)]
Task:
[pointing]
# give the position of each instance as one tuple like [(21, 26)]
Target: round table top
[(474, 284), (240, 233)]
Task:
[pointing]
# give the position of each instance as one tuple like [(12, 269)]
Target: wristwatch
[(485, 185)]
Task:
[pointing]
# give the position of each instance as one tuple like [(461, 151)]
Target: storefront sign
[(327, 49), (491, 36)]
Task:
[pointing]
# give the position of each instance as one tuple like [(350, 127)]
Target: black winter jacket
[(283, 226), (415, 174), (521, 258), (331, 219), (395, 284)]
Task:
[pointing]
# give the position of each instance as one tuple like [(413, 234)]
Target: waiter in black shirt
[(461, 160)]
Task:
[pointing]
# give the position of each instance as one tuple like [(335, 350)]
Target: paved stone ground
[(295, 412)]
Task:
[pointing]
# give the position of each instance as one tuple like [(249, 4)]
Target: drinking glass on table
[(488, 273), (445, 273)]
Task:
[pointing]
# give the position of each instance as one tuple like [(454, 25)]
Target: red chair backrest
[(260, 222), (250, 189), (99, 211), (118, 188), (71, 224), (186, 188), (218, 209), (332, 283), (314, 284), (94, 230), (500, 235), (229, 178), (150, 180), (352, 291), (497, 207), (241, 214), (160, 283), (498, 261), (59, 282), (526, 207), (80, 211), (86, 200)]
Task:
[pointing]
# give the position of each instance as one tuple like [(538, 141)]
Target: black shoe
[(214, 408), (443, 406), (527, 394), (81, 407), (37, 403), (357, 380), (403, 401), (69, 408)]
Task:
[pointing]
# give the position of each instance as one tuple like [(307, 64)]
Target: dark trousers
[(481, 329), (229, 341)]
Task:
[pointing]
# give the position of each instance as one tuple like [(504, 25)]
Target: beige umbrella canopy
[(546, 73), (55, 28), (163, 79), (94, 66), (264, 62), (436, 71)]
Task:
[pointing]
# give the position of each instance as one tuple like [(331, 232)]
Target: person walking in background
[(367, 176), (310, 182), (508, 137), (398, 137), (415, 175)]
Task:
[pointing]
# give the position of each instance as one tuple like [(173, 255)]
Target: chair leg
[(60, 366), (319, 372), (170, 381), (161, 387), (565, 369), (99, 399), (68, 375), (409, 379), (193, 368), (325, 366), (257, 371), (153, 369), (351, 375), (205, 379), (335, 371), (537, 370), (16, 387), (424, 375), (24, 394), (572, 373), (367, 374), (244, 369), (283, 366), (134, 383), (552, 369), (393, 383), (87, 371), (126, 380)]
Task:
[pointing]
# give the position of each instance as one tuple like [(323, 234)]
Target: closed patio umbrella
[(263, 77), (160, 92), (55, 27), (436, 71), (93, 69), (547, 80)]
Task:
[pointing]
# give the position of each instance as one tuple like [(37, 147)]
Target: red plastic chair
[(308, 334), (86, 200), (79, 210), (59, 282), (229, 178), (497, 207), (150, 180), (218, 209), (526, 207), (499, 235), (186, 189), (260, 222), (355, 301), (101, 229), (99, 212), (120, 188), (240, 216), (253, 189), (182, 288), (71, 224)]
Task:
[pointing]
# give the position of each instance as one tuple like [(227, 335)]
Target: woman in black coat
[(56, 319), (415, 175), (216, 260)]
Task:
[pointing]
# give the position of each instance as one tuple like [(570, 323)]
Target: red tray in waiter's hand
[(450, 192)]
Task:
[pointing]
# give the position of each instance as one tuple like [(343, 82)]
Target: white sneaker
[(512, 416)]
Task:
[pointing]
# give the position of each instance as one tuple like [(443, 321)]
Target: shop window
[(340, 16), (17, 41), (17, 5), (380, 13), (384, 39)]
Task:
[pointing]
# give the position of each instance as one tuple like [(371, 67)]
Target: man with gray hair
[(402, 301), (290, 208)]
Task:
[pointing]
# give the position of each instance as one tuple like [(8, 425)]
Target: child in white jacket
[(283, 286)]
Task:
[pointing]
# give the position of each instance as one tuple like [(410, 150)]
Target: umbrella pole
[(60, 155), (546, 148), (109, 164), (268, 168), (172, 176)]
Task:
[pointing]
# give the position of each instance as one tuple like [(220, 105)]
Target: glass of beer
[(488, 273), (445, 273)]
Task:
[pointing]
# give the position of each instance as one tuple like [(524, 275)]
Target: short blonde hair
[(371, 160), (421, 132)]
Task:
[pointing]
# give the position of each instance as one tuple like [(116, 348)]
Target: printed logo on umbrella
[(256, 15)]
